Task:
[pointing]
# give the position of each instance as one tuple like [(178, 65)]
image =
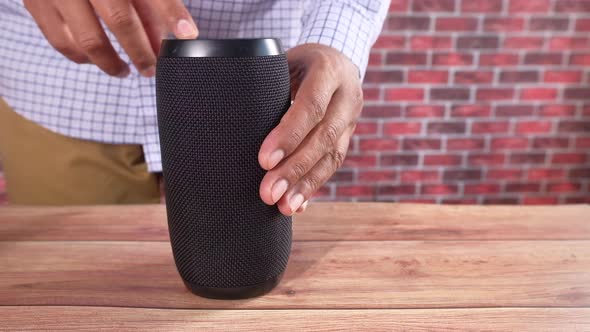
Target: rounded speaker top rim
[(202, 48)]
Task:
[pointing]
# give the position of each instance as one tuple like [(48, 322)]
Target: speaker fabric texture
[(213, 115)]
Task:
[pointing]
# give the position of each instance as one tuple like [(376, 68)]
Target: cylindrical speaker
[(217, 100)]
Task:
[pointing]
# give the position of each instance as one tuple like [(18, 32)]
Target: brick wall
[(475, 101)]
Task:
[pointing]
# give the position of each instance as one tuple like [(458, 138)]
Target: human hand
[(312, 139), (72, 27)]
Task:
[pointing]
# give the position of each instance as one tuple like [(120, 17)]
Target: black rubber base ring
[(234, 293)]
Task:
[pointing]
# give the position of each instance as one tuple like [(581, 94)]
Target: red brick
[(446, 127), (504, 174), (509, 143), (578, 200), (569, 158), (424, 111), (381, 111), (439, 189), (366, 128), (419, 176), (376, 144), (531, 127), (406, 58), (462, 175), (524, 43), (486, 159), (465, 144), (519, 76), (421, 144), (396, 94), (482, 188), (323, 192), (401, 128), (428, 76), (572, 6), (564, 187), (543, 58), (442, 160), (375, 59), (539, 200), (431, 42), (500, 200), (399, 160), (342, 175), (577, 93), (490, 127), (354, 161), (371, 94), (545, 173), (560, 110), (548, 24), (583, 24), (528, 158), (449, 94), (485, 94), (354, 190), (514, 110), (471, 110), (429, 6), (529, 6), (488, 6), (463, 200), (456, 24), (503, 24), (574, 126), (578, 173), (563, 76), (452, 59), (550, 142), (417, 200), (474, 77), (478, 42), (568, 43), (377, 176), (498, 59), (405, 22), (384, 76), (538, 94), (398, 6), (390, 42), (582, 59), (582, 142), (523, 187), (397, 190)]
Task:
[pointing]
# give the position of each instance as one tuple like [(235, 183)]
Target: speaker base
[(235, 293)]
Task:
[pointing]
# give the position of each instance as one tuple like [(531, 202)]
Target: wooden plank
[(371, 274), (120, 319), (322, 222)]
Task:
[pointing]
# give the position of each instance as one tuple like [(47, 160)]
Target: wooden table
[(353, 266)]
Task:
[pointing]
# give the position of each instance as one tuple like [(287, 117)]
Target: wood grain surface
[(358, 266)]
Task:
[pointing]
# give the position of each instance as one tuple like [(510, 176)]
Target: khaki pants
[(45, 168)]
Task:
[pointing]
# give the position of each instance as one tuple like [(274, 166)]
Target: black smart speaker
[(217, 100)]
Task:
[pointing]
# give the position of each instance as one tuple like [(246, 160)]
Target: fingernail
[(275, 158), (278, 189), (186, 29), (304, 205), (149, 72), (124, 73), (295, 202)]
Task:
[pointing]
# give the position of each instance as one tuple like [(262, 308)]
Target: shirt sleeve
[(350, 26)]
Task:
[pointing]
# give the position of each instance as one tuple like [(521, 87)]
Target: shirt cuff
[(348, 26)]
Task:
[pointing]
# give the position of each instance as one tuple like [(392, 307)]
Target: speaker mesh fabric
[(213, 114)]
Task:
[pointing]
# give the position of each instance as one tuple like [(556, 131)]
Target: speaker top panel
[(201, 48)]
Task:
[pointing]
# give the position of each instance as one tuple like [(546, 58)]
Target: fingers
[(55, 30), (304, 189), (308, 109), (177, 18), (152, 24), (122, 19), (90, 37)]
